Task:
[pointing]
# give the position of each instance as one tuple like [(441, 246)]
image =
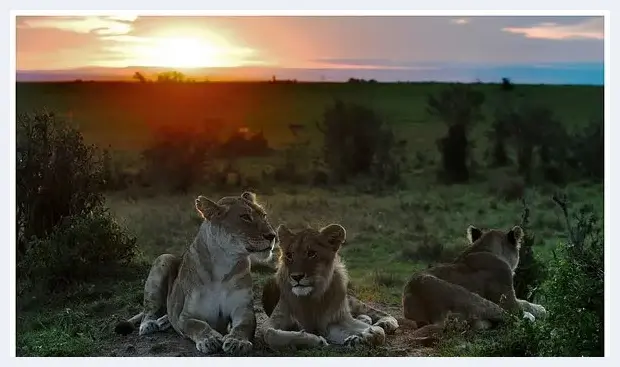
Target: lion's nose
[(297, 276), (270, 237)]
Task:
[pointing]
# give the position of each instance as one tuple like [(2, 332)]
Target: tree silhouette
[(139, 77), (171, 76)]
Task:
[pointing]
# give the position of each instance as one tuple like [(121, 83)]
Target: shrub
[(240, 144), (588, 150), (82, 246), (58, 176), (64, 232), (535, 133), (357, 141), (507, 85), (575, 292), (458, 106), (499, 136), (178, 156)]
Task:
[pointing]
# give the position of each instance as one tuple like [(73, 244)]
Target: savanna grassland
[(399, 217)]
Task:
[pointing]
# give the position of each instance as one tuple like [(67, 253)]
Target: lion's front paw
[(210, 344), (365, 319), (388, 324), (353, 341), (374, 335), (148, 327), (528, 316), (539, 311), (234, 345), (321, 342)]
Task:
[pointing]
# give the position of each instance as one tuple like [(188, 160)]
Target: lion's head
[(242, 219), (504, 245), (307, 258)]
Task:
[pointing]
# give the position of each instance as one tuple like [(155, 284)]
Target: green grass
[(384, 231), (77, 322)]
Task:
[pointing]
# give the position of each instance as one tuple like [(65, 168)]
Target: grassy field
[(389, 234)]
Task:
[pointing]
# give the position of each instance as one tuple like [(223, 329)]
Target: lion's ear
[(208, 208), (473, 233), (284, 234), (249, 196), (335, 234), (515, 236)]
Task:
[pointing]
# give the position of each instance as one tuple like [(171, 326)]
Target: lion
[(359, 309), (206, 295), (477, 286), (307, 303)]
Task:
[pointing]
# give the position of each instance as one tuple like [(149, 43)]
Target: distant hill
[(561, 73)]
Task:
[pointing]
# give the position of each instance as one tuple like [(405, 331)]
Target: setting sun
[(185, 52), (182, 52)]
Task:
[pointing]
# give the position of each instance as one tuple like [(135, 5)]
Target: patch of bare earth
[(171, 344)]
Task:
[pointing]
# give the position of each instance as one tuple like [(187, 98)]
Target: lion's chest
[(215, 303)]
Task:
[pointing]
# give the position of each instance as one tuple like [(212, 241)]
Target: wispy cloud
[(111, 25), (592, 28), (378, 63), (460, 21)]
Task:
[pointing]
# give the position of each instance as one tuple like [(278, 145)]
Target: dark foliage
[(458, 106), (64, 232), (58, 175), (357, 141)]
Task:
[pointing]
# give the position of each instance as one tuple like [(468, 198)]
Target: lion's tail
[(126, 327)]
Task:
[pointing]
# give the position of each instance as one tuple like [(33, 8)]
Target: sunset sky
[(528, 49)]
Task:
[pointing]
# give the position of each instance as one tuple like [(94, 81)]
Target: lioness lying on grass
[(477, 287), (206, 295)]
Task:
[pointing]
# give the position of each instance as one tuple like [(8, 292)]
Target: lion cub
[(477, 286), (206, 295), (313, 309)]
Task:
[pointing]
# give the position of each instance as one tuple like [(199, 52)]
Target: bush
[(82, 246), (458, 106), (575, 292), (58, 176), (588, 150), (64, 232), (499, 136), (507, 85), (241, 144), (357, 141), (178, 156)]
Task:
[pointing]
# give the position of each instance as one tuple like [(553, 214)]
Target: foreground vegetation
[(405, 168)]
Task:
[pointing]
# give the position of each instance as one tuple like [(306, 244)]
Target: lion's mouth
[(267, 248), (254, 251)]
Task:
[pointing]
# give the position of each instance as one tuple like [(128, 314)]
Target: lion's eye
[(311, 254), (246, 217), (288, 256)]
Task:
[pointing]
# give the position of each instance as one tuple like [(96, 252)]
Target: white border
[(522, 7)]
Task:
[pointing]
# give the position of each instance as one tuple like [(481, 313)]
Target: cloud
[(112, 25), (592, 28), (370, 63), (460, 21)]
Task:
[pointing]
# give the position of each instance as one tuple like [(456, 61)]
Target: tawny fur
[(206, 295), (310, 286), (477, 286), (358, 309)]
